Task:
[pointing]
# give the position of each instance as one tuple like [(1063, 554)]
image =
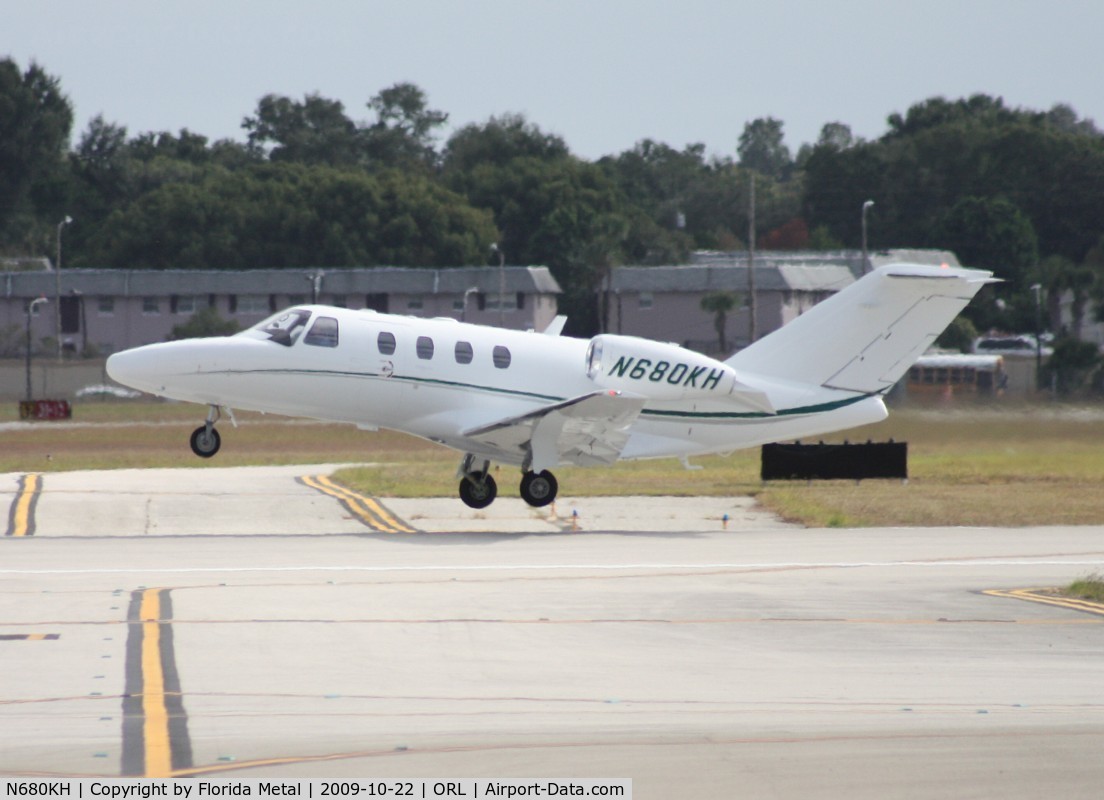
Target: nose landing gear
[(205, 439)]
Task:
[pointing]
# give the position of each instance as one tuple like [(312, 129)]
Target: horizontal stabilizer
[(864, 338), (587, 430)]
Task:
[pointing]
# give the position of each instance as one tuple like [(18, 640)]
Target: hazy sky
[(603, 74)]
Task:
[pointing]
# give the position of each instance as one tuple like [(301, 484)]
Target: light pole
[(315, 280), (57, 284), (501, 284), (30, 311), (1037, 288), (464, 309), (866, 260)]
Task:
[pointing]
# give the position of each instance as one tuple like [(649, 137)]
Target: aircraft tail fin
[(865, 337)]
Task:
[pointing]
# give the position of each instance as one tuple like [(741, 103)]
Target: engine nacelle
[(656, 370)]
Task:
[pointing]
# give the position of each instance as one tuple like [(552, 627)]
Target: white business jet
[(539, 400)]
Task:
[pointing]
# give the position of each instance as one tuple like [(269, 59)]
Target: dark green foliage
[(959, 335), (1073, 366), (35, 120)]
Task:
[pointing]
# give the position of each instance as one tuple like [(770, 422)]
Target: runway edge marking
[(21, 515), (155, 725), (1046, 597), (368, 510)]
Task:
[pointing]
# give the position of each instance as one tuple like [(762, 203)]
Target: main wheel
[(538, 488), (478, 491), (205, 444)]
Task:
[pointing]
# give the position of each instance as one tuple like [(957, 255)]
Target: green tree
[(497, 142), (314, 131), (761, 148), (35, 122), (1072, 365), (402, 135), (719, 304), (991, 233), (288, 215)]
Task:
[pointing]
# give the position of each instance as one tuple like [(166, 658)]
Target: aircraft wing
[(587, 430)]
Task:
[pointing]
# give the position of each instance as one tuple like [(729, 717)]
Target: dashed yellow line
[(21, 521), (368, 510), (1048, 598)]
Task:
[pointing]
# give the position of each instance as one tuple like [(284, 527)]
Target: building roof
[(732, 278), (852, 259), (393, 280)]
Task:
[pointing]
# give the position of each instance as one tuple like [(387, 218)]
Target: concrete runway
[(263, 623)]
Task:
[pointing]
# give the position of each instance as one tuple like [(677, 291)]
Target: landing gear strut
[(205, 439), (538, 488), (477, 488)]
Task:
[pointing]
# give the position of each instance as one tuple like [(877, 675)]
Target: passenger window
[(386, 343), (501, 357), (464, 353), (323, 333), (425, 347)]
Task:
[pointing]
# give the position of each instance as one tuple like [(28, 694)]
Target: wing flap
[(588, 430)]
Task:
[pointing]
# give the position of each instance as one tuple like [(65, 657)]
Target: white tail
[(864, 338)]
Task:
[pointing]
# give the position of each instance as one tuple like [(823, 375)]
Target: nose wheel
[(539, 488), (205, 439)]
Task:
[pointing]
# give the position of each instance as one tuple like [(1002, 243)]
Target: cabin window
[(323, 333), (386, 343), (501, 357), (425, 347), (464, 353)]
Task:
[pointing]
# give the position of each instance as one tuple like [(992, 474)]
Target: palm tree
[(719, 304)]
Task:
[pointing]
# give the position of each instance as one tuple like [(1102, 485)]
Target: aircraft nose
[(133, 368)]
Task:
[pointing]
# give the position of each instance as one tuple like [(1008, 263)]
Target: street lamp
[(501, 284), (31, 306), (315, 280), (1037, 288), (866, 261), (464, 309), (57, 284)]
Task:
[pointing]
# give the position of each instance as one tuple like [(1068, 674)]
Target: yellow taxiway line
[(21, 520), (1047, 597), (367, 509)]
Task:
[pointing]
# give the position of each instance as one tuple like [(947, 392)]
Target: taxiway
[(257, 622)]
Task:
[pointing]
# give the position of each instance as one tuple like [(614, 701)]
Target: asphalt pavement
[(265, 622)]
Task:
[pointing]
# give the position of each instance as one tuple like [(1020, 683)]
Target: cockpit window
[(285, 328), (323, 333)]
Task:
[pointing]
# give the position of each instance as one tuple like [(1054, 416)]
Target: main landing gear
[(478, 488), (205, 439)]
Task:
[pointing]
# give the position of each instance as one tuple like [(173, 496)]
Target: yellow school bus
[(952, 374)]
